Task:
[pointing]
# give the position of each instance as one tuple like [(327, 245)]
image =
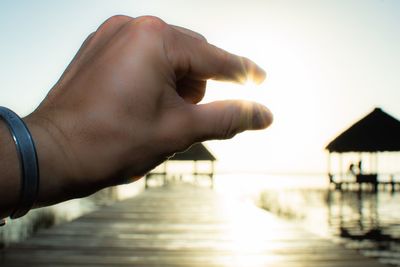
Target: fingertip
[(261, 76), (262, 117), (254, 72), (270, 115)]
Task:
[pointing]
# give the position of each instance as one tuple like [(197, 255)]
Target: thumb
[(225, 119)]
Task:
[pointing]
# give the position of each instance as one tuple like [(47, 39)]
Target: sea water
[(365, 221)]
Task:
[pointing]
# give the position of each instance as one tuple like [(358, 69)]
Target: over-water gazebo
[(376, 132), (196, 155)]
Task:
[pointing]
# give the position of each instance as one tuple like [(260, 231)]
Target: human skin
[(128, 101)]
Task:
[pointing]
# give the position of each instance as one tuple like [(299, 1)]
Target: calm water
[(367, 222)]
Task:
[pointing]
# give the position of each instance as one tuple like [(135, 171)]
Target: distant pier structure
[(195, 165), (357, 150)]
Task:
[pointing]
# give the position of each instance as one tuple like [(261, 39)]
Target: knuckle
[(114, 21), (148, 26), (149, 23)]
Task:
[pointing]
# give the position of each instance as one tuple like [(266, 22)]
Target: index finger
[(202, 60)]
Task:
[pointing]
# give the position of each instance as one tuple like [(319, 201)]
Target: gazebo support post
[(341, 167), (195, 172), (165, 173), (212, 174), (329, 169), (375, 171)]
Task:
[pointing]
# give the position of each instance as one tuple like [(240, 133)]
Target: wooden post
[(212, 174), (341, 166), (392, 183), (330, 176), (195, 172), (329, 163), (165, 173)]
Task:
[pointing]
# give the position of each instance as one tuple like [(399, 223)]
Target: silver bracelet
[(28, 162)]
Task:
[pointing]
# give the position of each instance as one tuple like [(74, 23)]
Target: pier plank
[(180, 225)]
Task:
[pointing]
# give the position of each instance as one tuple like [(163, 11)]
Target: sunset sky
[(328, 62)]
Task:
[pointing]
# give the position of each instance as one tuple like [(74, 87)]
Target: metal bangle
[(28, 161)]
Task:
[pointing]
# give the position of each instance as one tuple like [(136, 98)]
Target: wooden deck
[(180, 226)]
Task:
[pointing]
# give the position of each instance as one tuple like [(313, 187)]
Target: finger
[(104, 34), (225, 119), (189, 32), (202, 60)]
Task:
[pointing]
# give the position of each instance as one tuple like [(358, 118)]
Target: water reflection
[(365, 221)]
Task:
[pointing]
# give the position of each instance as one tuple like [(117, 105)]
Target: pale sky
[(328, 62)]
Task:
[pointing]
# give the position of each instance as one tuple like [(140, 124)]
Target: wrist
[(55, 170), (11, 175)]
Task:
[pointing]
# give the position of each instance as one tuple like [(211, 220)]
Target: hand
[(128, 101)]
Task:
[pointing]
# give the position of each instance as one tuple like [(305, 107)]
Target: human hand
[(128, 101)]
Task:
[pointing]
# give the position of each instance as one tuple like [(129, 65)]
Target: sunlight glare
[(249, 233)]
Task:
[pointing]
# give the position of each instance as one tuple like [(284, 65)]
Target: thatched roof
[(378, 131), (196, 152)]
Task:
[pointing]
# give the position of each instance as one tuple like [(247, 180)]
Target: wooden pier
[(364, 182), (180, 225)]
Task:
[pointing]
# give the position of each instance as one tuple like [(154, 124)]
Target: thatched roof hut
[(376, 132), (196, 153)]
